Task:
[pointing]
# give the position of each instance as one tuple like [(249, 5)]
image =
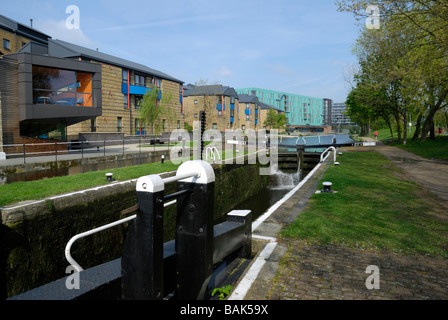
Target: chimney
[(31, 23)]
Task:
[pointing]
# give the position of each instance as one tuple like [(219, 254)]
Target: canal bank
[(36, 232), (304, 270), (35, 168)]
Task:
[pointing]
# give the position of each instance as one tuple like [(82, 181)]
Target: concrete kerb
[(253, 285)]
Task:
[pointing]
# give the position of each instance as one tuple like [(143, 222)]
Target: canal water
[(280, 184)]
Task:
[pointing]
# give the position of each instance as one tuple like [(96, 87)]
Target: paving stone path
[(310, 272)]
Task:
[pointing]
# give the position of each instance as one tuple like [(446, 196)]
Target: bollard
[(142, 258), (194, 230)]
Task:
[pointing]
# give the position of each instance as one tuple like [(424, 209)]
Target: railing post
[(142, 258), (194, 230)]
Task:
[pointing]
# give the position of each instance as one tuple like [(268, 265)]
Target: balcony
[(138, 90)]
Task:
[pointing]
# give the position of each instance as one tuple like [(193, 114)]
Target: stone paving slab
[(314, 272)]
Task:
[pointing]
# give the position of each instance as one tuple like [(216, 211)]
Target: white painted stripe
[(270, 239), (243, 287)]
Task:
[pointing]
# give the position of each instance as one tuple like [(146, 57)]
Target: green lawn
[(430, 149), (39, 189), (374, 208)]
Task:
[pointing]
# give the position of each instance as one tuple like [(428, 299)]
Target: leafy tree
[(153, 111), (275, 120), (405, 59)]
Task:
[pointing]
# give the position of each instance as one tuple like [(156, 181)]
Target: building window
[(195, 115), (195, 101), (247, 117), (178, 124), (163, 124), (6, 44), (125, 101), (137, 100), (232, 99), (215, 126), (124, 76), (139, 126), (119, 124), (219, 113), (243, 127), (139, 80), (62, 87), (247, 106), (219, 99), (158, 82)]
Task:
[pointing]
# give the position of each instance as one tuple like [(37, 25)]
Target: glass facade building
[(300, 110)]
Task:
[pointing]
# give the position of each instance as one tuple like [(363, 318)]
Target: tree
[(152, 109), (406, 57), (275, 120)]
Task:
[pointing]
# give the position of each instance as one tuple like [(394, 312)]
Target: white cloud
[(58, 30), (224, 71)]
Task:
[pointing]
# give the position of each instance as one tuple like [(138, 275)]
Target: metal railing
[(68, 255), (326, 151), (213, 151), (148, 271), (86, 148)]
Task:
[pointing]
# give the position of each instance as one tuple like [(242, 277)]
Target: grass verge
[(46, 187), (430, 149), (39, 189), (375, 208)]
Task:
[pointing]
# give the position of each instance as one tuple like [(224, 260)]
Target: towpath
[(297, 270)]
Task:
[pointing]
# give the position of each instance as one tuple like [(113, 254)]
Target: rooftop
[(23, 30), (212, 90), (63, 49)]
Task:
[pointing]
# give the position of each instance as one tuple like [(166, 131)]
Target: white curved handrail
[(326, 150)]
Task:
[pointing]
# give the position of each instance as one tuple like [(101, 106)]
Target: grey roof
[(62, 49), (246, 98), (211, 90), (23, 30), (264, 106)]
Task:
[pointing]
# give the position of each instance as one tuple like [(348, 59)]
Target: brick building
[(220, 104), (54, 90), (249, 112), (14, 36)]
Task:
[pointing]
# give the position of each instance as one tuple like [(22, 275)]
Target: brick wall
[(208, 104), (113, 106), (15, 41)]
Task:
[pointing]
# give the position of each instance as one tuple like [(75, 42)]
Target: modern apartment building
[(40, 96), (339, 118), (123, 85), (52, 89), (220, 103), (303, 113)]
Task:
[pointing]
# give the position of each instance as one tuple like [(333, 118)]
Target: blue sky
[(297, 46)]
